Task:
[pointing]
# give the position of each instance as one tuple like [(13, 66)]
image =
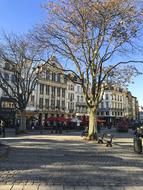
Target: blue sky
[(19, 16)]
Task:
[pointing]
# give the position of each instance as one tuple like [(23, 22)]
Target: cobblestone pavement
[(50, 162)]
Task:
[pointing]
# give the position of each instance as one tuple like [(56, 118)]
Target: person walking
[(3, 128), (0, 128), (17, 127)]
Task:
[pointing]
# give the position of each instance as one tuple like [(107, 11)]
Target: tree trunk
[(92, 132), (22, 120)]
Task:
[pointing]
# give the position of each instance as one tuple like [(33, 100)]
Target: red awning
[(61, 119), (52, 119)]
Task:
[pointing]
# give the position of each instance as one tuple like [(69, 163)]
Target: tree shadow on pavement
[(70, 163)]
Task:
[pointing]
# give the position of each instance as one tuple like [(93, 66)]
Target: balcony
[(82, 104)]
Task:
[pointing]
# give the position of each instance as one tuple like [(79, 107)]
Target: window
[(71, 96), (41, 88), (77, 98), (106, 96), (102, 112), (48, 75), (53, 90), (63, 104), (121, 105), (53, 103), (58, 92), (102, 105), (41, 103), (58, 103), (107, 112), (71, 106), (58, 77), (47, 90), (32, 99), (47, 103), (53, 77), (78, 88), (112, 97), (71, 87), (107, 104), (63, 93)]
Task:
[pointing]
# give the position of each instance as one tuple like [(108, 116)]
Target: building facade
[(7, 108), (49, 97), (113, 104), (55, 95)]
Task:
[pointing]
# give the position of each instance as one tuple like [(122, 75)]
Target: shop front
[(7, 111)]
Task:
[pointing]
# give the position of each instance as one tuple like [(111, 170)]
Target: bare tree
[(19, 72), (89, 33)]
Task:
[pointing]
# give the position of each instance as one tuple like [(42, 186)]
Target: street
[(67, 161)]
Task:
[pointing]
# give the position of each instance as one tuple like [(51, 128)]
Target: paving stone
[(31, 187), (17, 187), (81, 188), (97, 188), (44, 187), (5, 187), (66, 161), (133, 188), (47, 187), (138, 187), (69, 188)]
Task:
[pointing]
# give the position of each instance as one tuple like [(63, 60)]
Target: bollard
[(138, 145)]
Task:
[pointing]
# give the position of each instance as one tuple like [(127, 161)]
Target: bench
[(107, 138)]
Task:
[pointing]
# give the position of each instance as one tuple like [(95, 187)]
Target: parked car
[(135, 125), (122, 125)]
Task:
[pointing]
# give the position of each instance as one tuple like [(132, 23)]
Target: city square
[(71, 98), (67, 161)]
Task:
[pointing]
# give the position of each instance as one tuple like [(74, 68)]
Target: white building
[(49, 97), (56, 96), (75, 100)]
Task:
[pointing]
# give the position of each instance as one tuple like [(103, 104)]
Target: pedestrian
[(17, 127), (41, 128), (60, 127), (32, 125), (3, 128), (55, 126), (0, 128)]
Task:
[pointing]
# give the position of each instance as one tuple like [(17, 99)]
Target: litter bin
[(138, 144)]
